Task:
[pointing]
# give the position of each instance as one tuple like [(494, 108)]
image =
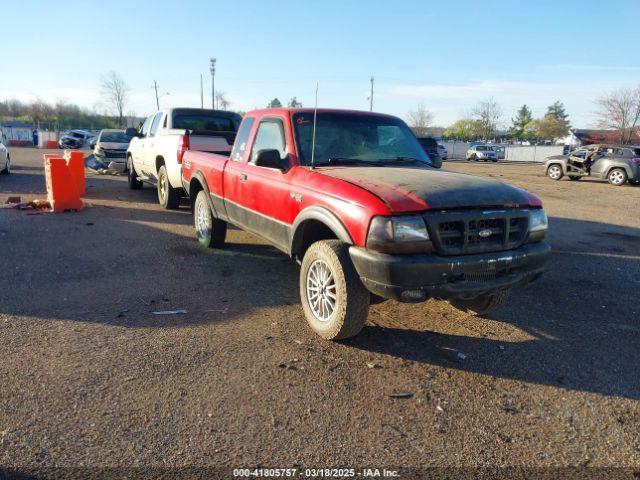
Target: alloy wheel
[(321, 290)]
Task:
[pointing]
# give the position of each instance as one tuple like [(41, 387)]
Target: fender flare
[(322, 215), (623, 166), (560, 163), (198, 177)]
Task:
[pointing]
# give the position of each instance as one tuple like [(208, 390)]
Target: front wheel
[(482, 304), (132, 176), (210, 231), (617, 177), (554, 172), (168, 197), (7, 166), (335, 302)]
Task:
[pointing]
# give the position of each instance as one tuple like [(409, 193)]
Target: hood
[(113, 145), (408, 189)]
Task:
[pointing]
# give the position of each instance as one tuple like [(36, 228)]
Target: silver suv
[(618, 164), (482, 152)]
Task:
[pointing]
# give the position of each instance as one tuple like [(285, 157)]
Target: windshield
[(115, 137), (356, 138), (202, 121)]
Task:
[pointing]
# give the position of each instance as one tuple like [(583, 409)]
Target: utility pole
[(155, 85), (212, 69), (371, 97), (201, 93)]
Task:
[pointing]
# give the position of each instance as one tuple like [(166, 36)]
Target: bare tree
[(620, 110), (115, 92), (419, 120), (488, 114), (222, 101)]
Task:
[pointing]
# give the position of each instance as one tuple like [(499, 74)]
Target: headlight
[(406, 234), (538, 224)]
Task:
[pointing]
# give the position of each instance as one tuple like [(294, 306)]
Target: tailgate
[(210, 141)]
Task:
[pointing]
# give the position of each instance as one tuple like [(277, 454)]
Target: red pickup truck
[(354, 198)]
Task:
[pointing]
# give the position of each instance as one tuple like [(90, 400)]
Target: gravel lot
[(91, 378)]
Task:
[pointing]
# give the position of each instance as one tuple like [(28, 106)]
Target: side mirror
[(92, 144), (269, 158), (131, 132)]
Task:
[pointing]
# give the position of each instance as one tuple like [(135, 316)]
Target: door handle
[(243, 177)]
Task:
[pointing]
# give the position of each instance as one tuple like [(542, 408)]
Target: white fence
[(515, 153)]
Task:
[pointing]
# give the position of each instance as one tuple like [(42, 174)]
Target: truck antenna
[(313, 138)]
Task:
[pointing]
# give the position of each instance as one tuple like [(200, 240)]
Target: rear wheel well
[(194, 188), (309, 232), (159, 163)]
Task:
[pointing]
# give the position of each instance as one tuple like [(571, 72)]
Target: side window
[(145, 127), (240, 145), (154, 125), (270, 136)]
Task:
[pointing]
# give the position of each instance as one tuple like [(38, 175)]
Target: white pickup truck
[(155, 153)]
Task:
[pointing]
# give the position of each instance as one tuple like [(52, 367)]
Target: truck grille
[(468, 232)]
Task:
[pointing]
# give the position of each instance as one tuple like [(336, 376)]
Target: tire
[(617, 177), (633, 182), (329, 261), (574, 178), (474, 157), (495, 160), (554, 171), (168, 197), (134, 183), (210, 231), (482, 304), (7, 168)]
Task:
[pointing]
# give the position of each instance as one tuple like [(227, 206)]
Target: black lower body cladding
[(419, 277)]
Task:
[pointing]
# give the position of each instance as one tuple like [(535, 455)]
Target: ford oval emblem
[(485, 233)]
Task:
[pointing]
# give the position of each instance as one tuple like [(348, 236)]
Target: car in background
[(5, 160), (74, 139), (111, 148), (442, 151), (482, 152), (430, 146), (501, 152), (618, 164)]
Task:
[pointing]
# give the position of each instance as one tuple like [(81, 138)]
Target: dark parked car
[(430, 146)]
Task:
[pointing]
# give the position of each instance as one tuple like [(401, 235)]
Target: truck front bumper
[(417, 277)]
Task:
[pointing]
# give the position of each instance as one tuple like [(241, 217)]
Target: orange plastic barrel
[(75, 161), (62, 191)]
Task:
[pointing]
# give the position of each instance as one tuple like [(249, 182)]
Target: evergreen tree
[(275, 103), (556, 110), (523, 117)]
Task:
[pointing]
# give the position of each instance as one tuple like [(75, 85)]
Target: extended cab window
[(240, 145), (156, 122), (270, 136)]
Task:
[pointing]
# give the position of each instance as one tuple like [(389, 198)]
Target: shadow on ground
[(115, 265)]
